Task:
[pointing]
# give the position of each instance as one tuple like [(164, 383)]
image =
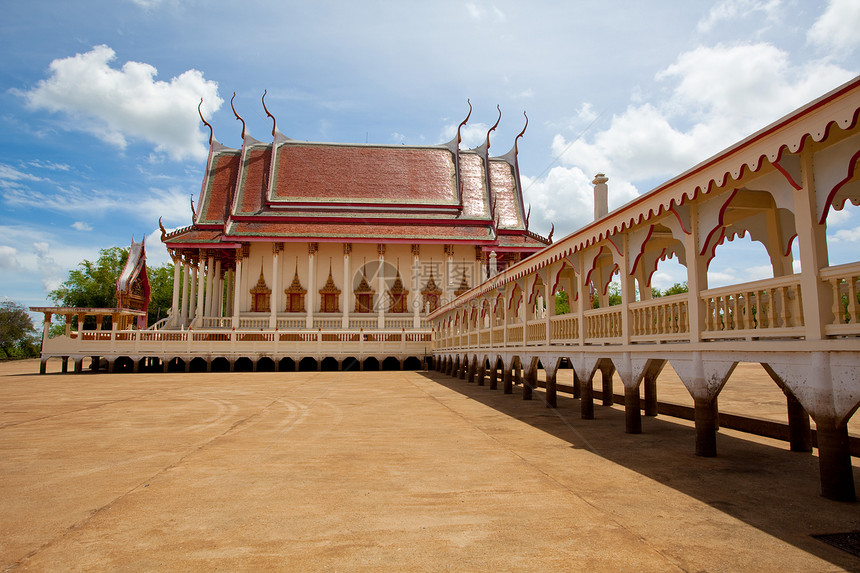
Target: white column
[(218, 291), (347, 284), (274, 300), (210, 285), (416, 288), (186, 294), (230, 275), (177, 281), (201, 282), (237, 290), (312, 285), (549, 300), (449, 269), (380, 288)]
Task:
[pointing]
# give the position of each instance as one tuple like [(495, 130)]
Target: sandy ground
[(392, 471)]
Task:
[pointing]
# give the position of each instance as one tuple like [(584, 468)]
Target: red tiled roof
[(357, 230), (359, 174), (221, 181)]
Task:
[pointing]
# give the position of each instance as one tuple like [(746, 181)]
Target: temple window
[(261, 295), (398, 295), (329, 295), (363, 295), (295, 294), (430, 294)]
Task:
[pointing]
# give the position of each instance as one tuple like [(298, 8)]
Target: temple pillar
[(347, 250), (551, 369), (507, 379), (606, 372), (175, 311), (705, 417), (192, 292), (494, 374), (834, 460), (201, 284), (380, 288), (416, 288), (275, 300), (237, 290), (449, 269), (186, 295), (632, 410), (210, 285), (650, 390), (530, 380), (312, 284), (218, 291)]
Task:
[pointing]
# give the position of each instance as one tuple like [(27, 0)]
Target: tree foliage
[(93, 285), (17, 333)]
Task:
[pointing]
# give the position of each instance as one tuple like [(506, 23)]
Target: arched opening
[(391, 363), (412, 363), (308, 364), (329, 364), (244, 364), (738, 261), (843, 234), (350, 364), (123, 364), (198, 364), (371, 363), (265, 364), (220, 364), (287, 364), (176, 365)]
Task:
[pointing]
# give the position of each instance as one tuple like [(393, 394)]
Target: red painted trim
[(852, 163)]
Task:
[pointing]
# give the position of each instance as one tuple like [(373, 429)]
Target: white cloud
[(847, 235), (81, 226), (128, 103), (9, 176), (50, 273), (837, 27), (50, 165), (716, 96), (171, 203), (737, 9), (472, 134), (8, 258)]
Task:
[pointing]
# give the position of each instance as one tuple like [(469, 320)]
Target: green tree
[(93, 285), (562, 306), (17, 333), (677, 288)]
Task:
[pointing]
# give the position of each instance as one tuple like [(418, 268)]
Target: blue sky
[(101, 134)]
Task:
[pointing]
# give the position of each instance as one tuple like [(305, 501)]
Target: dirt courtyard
[(386, 471)]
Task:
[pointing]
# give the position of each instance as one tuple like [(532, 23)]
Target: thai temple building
[(293, 235)]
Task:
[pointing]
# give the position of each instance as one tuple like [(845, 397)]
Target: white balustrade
[(660, 319), (767, 308), (844, 281)]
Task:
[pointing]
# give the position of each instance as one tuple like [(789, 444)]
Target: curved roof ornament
[(462, 123), (521, 133), (551, 231), (193, 211), (274, 121), (163, 230), (492, 129), (206, 123), (237, 115), (528, 215)]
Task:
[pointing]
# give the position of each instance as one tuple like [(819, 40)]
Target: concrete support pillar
[(551, 389), (461, 374), (530, 382), (632, 411), (79, 365), (586, 393), (800, 434), (165, 364), (577, 386), (43, 366), (94, 363), (507, 380), (834, 461), (705, 415), (136, 366), (481, 372), (494, 375), (65, 365), (473, 371), (606, 372), (650, 389)]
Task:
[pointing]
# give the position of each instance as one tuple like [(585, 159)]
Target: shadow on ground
[(756, 480)]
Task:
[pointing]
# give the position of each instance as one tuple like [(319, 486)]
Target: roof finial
[(206, 123), (237, 115), (274, 121), (551, 231), (529, 214), (492, 129), (163, 231), (193, 211), (462, 123), (521, 133)]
